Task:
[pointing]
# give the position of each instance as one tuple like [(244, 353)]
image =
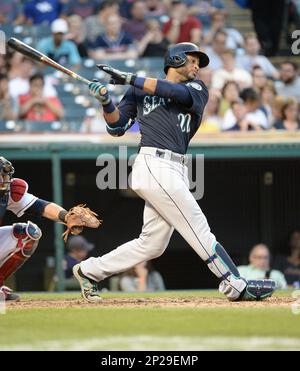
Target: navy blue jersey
[(165, 123)]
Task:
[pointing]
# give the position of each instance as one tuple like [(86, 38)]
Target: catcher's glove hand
[(79, 217)]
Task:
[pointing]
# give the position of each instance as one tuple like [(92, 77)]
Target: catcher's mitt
[(79, 217)]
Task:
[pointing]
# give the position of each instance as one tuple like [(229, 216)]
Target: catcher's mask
[(6, 173)]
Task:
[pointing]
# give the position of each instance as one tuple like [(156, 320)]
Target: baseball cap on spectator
[(59, 26), (79, 243)]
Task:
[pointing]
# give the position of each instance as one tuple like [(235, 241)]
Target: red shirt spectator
[(35, 107), (182, 27)]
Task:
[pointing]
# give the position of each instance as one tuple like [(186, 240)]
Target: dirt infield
[(196, 302)]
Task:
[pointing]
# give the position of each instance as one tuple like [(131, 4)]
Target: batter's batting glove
[(100, 92), (118, 77)]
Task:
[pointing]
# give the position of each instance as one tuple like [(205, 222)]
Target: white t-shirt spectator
[(242, 77), (215, 61), (289, 90), (247, 62), (257, 117)]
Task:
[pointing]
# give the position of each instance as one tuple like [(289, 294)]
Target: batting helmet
[(6, 173), (176, 56)]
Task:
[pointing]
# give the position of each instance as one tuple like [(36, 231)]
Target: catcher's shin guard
[(27, 236)]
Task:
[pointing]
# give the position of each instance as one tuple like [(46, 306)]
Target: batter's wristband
[(109, 108), (138, 82), (62, 215)]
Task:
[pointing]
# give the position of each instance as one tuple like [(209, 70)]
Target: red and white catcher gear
[(18, 188), (7, 294), (27, 236)]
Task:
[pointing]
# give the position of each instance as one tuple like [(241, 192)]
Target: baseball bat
[(34, 54)]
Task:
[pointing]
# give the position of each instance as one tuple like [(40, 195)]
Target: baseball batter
[(169, 113), (19, 241)]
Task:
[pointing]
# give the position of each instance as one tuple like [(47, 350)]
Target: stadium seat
[(37, 126), (9, 126)]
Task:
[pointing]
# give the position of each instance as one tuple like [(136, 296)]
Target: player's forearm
[(111, 117), (54, 212)]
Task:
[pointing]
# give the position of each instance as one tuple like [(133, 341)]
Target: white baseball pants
[(164, 185)]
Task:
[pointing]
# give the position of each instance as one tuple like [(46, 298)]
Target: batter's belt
[(165, 154)]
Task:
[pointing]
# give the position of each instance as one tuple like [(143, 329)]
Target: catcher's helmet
[(176, 55), (6, 173)]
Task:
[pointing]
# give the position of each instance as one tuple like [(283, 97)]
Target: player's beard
[(187, 75)]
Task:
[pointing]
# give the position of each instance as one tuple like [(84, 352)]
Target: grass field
[(190, 320)]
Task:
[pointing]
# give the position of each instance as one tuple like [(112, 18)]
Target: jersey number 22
[(185, 122)]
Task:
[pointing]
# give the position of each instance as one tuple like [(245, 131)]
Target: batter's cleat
[(89, 287), (8, 294), (257, 290)]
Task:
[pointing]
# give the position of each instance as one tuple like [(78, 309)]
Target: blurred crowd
[(247, 92)]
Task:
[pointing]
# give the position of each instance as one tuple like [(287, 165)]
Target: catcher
[(19, 241)]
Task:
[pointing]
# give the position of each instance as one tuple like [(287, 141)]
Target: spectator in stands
[(136, 25), (277, 106), (230, 72), (15, 60), (289, 84), (11, 12), (215, 51), (156, 8), (77, 34), (94, 24), (255, 115), (206, 74), (290, 116), (230, 94), (234, 39), (182, 27), (3, 65), (204, 10), (260, 267), (114, 43), (142, 278), (8, 108), (20, 84), (78, 249), (268, 95), (42, 11), (234, 119), (34, 106), (252, 58), (58, 48), (259, 78), (246, 115), (211, 122), (82, 8), (268, 22), (154, 43), (290, 266)]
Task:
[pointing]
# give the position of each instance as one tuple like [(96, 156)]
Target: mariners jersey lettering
[(164, 123)]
